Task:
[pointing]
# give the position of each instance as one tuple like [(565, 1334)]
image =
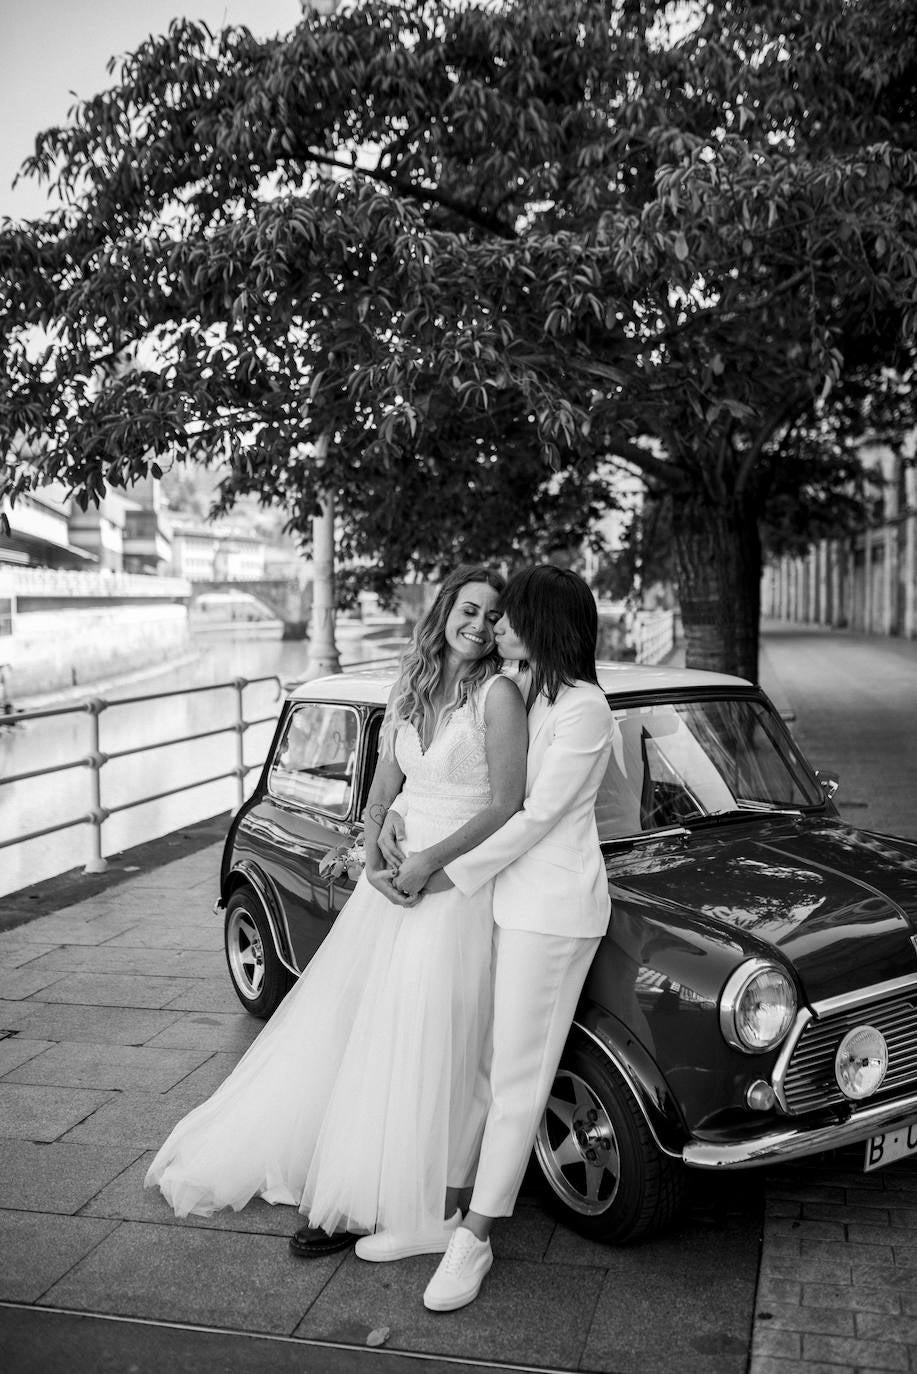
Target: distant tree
[(479, 248)]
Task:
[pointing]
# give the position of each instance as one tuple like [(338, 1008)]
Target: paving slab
[(23, 952), (112, 990), (57, 1177), (38, 1249), (87, 1065), (209, 994), (29, 1112), (134, 1118), (16, 1050), (183, 877), (535, 1314), (186, 1274), (178, 933), (126, 1199), (525, 1235), (231, 1032), (101, 1025), (12, 1014), (107, 958), (692, 1290), (75, 927), (18, 983), (201, 1082), (38, 1341), (141, 904)]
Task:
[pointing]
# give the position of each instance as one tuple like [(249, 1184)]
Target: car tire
[(261, 981), (602, 1171)]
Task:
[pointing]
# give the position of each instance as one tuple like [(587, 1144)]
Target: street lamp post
[(323, 653)]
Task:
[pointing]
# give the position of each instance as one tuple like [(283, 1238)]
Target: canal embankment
[(62, 629)]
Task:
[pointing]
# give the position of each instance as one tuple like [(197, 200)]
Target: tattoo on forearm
[(377, 813)]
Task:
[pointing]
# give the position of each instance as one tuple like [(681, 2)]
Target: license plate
[(891, 1145)]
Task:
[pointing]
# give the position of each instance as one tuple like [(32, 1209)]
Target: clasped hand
[(410, 875)]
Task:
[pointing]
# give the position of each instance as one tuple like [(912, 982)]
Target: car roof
[(371, 685)]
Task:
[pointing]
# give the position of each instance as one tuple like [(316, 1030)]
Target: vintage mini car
[(755, 997)]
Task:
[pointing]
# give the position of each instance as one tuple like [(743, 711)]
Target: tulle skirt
[(364, 1096)]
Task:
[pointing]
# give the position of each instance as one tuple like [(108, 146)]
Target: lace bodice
[(448, 782)]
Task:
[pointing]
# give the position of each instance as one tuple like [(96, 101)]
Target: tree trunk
[(718, 555)]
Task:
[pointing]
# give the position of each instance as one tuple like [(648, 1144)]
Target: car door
[(305, 811)]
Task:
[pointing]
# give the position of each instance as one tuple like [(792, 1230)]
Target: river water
[(37, 803)]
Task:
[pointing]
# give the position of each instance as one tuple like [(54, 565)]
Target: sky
[(53, 52)]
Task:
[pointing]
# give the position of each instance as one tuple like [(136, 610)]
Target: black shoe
[(312, 1243)]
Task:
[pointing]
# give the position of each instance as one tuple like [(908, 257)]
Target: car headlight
[(757, 1006), (861, 1062)]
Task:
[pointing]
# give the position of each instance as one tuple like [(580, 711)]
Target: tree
[(480, 249)]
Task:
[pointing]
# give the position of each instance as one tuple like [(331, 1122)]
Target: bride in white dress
[(362, 1101)]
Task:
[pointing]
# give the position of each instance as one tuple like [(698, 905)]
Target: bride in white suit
[(550, 902)]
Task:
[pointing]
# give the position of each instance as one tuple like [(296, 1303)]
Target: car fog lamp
[(760, 1096), (861, 1062), (757, 1006)]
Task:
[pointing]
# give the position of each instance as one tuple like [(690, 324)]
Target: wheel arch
[(247, 874), (641, 1075)]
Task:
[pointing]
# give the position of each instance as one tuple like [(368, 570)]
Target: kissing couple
[(412, 1060)]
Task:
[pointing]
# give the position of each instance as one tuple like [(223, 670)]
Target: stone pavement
[(117, 1017)]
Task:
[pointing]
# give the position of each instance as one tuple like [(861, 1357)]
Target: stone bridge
[(285, 597)]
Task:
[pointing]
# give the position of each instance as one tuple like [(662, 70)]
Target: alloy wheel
[(246, 953), (577, 1147)]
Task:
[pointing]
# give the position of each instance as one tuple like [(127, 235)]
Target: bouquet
[(349, 860)]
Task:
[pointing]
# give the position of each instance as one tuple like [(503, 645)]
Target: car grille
[(810, 1083)]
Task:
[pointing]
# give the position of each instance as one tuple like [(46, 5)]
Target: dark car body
[(654, 1078)]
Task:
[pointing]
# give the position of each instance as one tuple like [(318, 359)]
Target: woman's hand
[(391, 839), (412, 875), (381, 879)]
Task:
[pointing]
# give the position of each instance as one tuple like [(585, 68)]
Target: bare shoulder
[(503, 699)]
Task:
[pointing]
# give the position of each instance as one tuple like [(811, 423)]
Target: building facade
[(866, 582)]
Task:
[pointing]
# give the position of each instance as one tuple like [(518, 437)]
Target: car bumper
[(796, 1142)]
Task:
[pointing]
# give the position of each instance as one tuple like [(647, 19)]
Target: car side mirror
[(829, 781)]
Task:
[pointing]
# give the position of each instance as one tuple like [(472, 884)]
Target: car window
[(315, 759), (674, 762)]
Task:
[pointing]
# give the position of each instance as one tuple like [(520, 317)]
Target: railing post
[(240, 727), (97, 813)]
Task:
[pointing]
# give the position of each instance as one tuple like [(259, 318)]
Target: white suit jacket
[(550, 875)]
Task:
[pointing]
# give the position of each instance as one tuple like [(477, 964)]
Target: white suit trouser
[(537, 983)]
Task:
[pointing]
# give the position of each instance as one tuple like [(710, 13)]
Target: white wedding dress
[(364, 1097)]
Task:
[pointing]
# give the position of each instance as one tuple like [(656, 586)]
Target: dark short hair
[(554, 613)]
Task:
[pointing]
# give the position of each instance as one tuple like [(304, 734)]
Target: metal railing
[(96, 760)]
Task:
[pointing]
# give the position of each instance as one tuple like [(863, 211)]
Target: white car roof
[(373, 683)]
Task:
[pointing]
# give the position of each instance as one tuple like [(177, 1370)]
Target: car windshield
[(674, 763)]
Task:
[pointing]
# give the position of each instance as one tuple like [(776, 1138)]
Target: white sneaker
[(394, 1245), (461, 1272)]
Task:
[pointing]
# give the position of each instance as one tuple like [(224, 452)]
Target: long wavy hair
[(422, 664)]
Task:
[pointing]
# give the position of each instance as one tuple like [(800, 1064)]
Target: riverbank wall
[(62, 629)]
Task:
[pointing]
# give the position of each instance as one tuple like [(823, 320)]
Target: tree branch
[(665, 473), (427, 194), (787, 413)]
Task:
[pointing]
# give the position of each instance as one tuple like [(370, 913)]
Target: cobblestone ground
[(837, 1287)]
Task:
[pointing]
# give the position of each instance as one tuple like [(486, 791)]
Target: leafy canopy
[(477, 248)]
